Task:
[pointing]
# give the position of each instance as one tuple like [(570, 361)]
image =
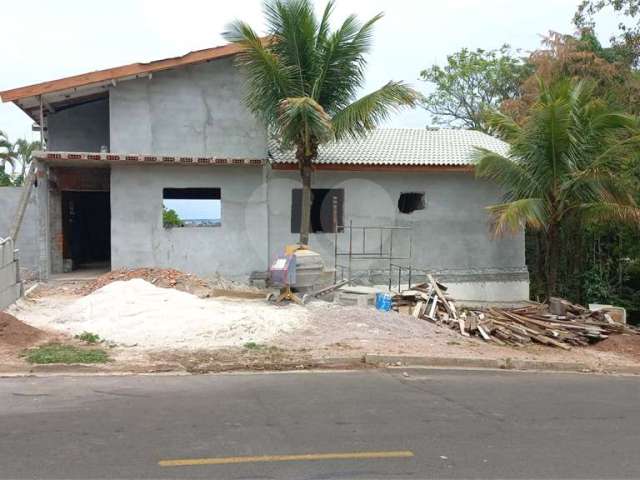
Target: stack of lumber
[(568, 325)]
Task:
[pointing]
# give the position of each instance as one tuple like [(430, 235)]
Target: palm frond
[(269, 80), (502, 125), (367, 112), (506, 172), (294, 26), (342, 63), (325, 24), (302, 121), (512, 217), (607, 212), (7, 151)]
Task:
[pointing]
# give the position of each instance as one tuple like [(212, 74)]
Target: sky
[(44, 40), (195, 209)]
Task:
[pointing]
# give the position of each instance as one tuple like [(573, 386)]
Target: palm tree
[(564, 164), (24, 152), (303, 79), (7, 151)]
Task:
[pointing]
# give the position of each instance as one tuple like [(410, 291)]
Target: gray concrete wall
[(82, 128), (10, 287), (28, 236), (196, 110), (450, 236), (233, 249)]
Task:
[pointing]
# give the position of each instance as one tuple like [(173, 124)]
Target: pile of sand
[(14, 333), (170, 278), (135, 312)]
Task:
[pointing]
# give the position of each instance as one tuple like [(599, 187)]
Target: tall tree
[(7, 151), (472, 82), (579, 57), (24, 153), (563, 166), (626, 44), (303, 80)]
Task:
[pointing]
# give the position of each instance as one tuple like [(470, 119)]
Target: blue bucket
[(383, 301)]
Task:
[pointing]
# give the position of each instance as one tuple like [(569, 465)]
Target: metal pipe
[(350, 248), (334, 199), (42, 145)]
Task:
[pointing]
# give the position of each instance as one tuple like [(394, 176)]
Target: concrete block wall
[(28, 240), (195, 110), (234, 249), (10, 288), (81, 128), (451, 236)]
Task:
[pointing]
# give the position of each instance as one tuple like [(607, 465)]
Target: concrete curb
[(394, 362), (494, 364)]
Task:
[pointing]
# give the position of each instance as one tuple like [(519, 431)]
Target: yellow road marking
[(285, 458)]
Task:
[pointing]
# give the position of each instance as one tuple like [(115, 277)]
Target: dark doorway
[(86, 220), (322, 199)]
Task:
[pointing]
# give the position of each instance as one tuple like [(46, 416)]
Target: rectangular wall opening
[(191, 207), (86, 224), (322, 201)]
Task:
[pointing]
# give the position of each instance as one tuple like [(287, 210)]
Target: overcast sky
[(45, 40)]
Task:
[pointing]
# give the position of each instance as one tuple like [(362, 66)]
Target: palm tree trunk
[(305, 214), (552, 255)]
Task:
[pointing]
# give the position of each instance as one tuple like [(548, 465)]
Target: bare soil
[(628, 345), (14, 333), (330, 331)]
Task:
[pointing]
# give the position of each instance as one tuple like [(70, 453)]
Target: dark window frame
[(321, 210)]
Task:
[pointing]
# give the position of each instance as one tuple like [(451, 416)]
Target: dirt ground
[(15, 336), (330, 331)]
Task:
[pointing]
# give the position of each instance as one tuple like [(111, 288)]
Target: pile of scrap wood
[(568, 325)]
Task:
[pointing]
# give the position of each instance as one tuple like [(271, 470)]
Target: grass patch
[(89, 337), (253, 346), (58, 353)]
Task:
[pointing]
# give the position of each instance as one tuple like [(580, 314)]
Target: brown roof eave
[(131, 70)]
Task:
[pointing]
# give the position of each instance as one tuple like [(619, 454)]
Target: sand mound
[(136, 312), (169, 278), (14, 333)]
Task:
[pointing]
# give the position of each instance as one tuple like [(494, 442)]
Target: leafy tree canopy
[(471, 82), (170, 218), (579, 57), (626, 44)]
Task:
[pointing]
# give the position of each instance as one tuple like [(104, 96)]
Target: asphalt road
[(365, 424)]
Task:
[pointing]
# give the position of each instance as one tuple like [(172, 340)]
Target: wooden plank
[(436, 289)]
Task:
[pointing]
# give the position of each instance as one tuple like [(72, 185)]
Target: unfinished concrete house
[(161, 165)]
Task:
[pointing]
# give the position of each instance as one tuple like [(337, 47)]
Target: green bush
[(89, 337)]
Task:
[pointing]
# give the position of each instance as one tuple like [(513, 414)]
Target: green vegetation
[(254, 346), (89, 337), (471, 82), (563, 168), (58, 353), (595, 256), (16, 155), (303, 82), (170, 218)]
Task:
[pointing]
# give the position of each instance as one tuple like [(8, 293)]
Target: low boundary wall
[(10, 284)]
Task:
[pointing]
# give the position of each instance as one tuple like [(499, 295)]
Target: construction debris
[(560, 324)]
